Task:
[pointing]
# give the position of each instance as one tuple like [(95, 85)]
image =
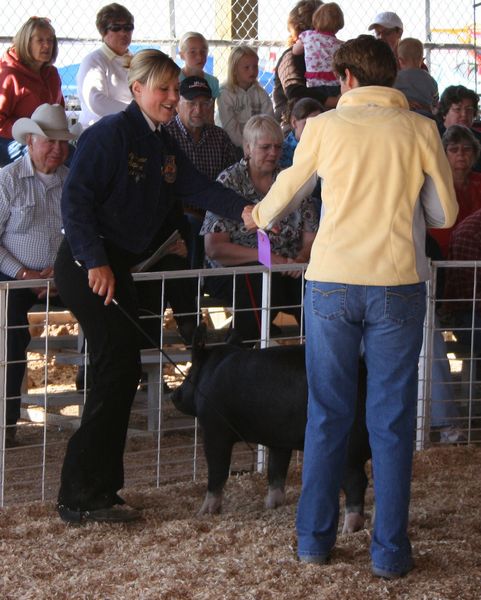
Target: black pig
[(260, 396)]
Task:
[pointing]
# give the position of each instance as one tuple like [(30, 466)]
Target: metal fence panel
[(164, 445)]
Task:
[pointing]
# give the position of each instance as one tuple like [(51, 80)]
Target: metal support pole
[(3, 386), (427, 13)]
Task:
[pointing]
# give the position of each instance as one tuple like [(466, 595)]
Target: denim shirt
[(126, 185)]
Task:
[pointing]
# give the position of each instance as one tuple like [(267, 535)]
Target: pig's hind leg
[(358, 453), (278, 464), (354, 486)]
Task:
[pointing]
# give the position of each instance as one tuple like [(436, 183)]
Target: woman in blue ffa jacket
[(123, 196)]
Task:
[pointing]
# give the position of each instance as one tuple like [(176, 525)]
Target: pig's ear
[(199, 337), (234, 338)]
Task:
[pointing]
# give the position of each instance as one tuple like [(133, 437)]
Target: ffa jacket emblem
[(136, 166), (170, 169)]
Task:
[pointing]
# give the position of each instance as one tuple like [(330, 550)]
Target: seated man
[(208, 147), (30, 232)]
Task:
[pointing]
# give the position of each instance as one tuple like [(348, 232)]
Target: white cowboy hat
[(48, 120)]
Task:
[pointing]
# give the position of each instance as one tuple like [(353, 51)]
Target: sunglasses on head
[(116, 28)]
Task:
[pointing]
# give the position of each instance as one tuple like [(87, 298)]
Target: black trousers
[(92, 471), (18, 338), (286, 295)]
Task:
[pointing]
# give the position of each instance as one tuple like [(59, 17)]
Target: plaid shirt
[(213, 153), (30, 217), (465, 245)]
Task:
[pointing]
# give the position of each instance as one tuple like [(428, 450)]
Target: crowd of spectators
[(169, 151)]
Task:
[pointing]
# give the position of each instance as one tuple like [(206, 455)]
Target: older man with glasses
[(208, 147)]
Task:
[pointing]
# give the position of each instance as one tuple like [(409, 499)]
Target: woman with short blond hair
[(228, 244), (122, 199), (241, 95)]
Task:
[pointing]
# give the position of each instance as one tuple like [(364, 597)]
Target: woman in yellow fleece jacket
[(385, 179)]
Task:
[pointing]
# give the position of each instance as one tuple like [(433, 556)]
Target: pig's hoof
[(212, 505), (353, 522), (275, 498)]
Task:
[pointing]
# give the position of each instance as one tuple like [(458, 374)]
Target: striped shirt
[(30, 217)]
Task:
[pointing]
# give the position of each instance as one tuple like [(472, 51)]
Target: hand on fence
[(294, 274)]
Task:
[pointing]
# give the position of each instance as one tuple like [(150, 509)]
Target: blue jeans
[(389, 320)]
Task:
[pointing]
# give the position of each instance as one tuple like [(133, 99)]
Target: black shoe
[(119, 513)]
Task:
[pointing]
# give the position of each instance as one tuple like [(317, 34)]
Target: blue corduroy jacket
[(126, 185)]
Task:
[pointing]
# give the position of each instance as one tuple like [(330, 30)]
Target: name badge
[(263, 248)]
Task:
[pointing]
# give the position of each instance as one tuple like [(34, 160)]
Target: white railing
[(163, 445)]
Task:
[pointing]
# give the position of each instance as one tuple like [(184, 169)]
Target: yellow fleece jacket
[(385, 179)]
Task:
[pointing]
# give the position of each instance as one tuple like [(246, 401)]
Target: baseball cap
[(194, 86), (390, 20)]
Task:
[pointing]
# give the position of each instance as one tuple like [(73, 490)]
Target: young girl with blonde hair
[(241, 96), (193, 50)]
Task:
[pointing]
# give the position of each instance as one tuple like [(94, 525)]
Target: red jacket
[(22, 90)]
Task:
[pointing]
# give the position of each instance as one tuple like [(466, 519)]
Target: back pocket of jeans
[(405, 302), (328, 300)]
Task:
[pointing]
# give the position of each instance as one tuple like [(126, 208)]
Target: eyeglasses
[(267, 147), (197, 103), (116, 28), (455, 148), (385, 31)]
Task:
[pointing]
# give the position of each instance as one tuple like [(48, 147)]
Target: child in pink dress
[(318, 46)]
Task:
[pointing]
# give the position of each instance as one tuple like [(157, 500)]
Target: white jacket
[(102, 85), (235, 108)]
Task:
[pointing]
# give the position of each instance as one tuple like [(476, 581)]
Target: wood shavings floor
[(246, 553)]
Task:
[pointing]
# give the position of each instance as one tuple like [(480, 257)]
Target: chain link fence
[(447, 27)]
